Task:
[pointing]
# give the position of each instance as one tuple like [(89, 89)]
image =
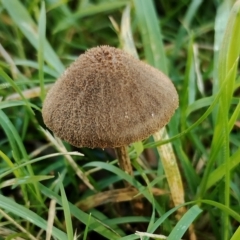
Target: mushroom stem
[(124, 160), (125, 165)]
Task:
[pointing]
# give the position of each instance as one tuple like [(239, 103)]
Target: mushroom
[(107, 98)]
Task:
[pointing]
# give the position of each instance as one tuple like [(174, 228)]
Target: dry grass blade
[(29, 93), (30, 236), (51, 215), (173, 175), (5, 232), (155, 236), (114, 196), (126, 37), (61, 148), (9, 60), (171, 169)]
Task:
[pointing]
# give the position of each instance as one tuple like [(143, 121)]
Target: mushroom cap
[(107, 98)]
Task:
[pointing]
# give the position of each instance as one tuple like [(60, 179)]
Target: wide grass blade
[(67, 213), (236, 235), (130, 237), (163, 218), (19, 150), (220, 25), (9, 205), (41, 42), (230, 49), (23, 20), (219, 173), (184, 223), (151, 34)]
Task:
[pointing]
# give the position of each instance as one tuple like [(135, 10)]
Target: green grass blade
[(17, 145), (41, 36), (224, 208), (189, 77), (82, 216), (159, 221), (234, 117), (9, 205), (104, 220), (8, 161), (204, 102), (230, 48), (86, 229), (198, 104), (225, 157), (12, 135), (184, 223), (219, 173), (23, 180), (220, 25), (151, 34), (67, 213), (130, 237), (123, 220), (33, 64), (88, 11), (236, 235), (16, 88), (186, 22), (19, 166), (23, 20)]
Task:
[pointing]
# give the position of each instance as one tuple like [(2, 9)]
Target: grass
[(51, 190)]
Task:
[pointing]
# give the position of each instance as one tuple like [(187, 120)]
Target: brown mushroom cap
[(107, 98)]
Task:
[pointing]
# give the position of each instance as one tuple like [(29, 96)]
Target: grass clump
[(187, 175)]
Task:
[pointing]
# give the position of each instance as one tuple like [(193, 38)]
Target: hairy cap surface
[(107, 98)]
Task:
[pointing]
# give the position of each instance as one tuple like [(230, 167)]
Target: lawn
[(186, 177)]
